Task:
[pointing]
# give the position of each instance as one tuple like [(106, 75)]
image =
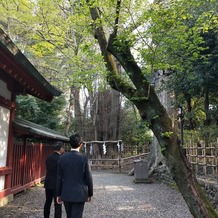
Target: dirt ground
[(115, 196)]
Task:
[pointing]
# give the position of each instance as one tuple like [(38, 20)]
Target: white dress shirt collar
[(75, 149)]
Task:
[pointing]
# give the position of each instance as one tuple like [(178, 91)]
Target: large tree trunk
[(157, 161), (93, 112), (69, 116), (153, 112), (176, 159), (115, 115), (156, 158), (77, 110)]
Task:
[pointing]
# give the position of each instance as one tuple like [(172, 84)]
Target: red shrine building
[(22, 160)]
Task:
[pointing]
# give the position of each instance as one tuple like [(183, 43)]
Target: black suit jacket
[(51, 170), (74, 181)]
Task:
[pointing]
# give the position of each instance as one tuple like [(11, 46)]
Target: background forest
[(62, 50), (56, 37)]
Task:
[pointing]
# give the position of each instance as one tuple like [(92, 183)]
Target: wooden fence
[(118, 164), (28, 165), (204, 158)]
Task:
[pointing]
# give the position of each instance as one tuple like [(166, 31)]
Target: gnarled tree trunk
[(143, 95)]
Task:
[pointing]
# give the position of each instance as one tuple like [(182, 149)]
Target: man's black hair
[(58, 145), (75, 140)]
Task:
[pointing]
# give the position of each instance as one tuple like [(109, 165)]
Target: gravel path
[(115, 196)]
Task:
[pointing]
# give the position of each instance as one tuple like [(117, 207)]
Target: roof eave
[(25, 67), (29, 129)]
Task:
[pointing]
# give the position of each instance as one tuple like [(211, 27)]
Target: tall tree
[(200, 81), (118, 46), (54, 37)]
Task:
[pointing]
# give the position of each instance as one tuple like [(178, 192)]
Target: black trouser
[(51, 196), (74, 210)]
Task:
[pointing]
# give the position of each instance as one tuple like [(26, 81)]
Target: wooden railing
[(118, 164), (204, 158), (28, 165)]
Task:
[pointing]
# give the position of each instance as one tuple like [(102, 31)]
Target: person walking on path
[(51, 179), (74, 180)]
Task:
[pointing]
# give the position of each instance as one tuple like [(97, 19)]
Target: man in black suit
[(51, 179), (74, 182)]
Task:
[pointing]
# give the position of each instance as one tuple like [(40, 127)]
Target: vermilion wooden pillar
[(10, 143)]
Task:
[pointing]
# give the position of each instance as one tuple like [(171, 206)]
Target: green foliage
[(57, 33), (57, 36), (27, 107), (204, 133), (208, 133), (167, 134), (173, 49), (41, 112), (200, 84), (134, 131)]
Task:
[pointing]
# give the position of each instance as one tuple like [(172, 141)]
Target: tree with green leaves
[(54, 36), (159, 28), (41, 112), (196, 86)]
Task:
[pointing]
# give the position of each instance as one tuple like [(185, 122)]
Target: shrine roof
[(16, 67), (29, 129)]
